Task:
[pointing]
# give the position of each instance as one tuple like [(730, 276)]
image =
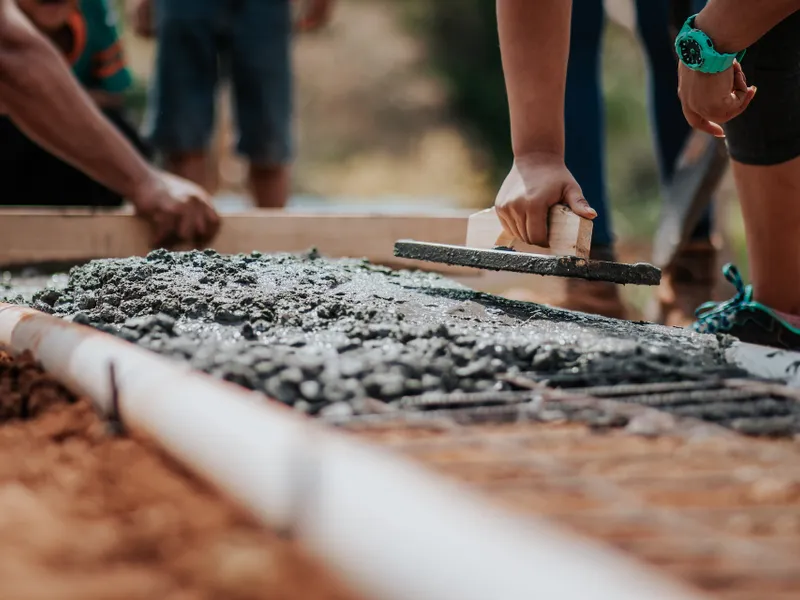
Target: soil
[(327, 335), (88, 515), (718, 511)]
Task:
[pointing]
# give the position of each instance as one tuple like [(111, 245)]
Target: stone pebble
[(320, 334)]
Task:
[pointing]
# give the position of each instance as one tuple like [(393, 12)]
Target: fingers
[(186, 224), (508, 224), (206, 223), (743, 94), (536, 226), (212, 222), (525, 221), (573, 197), (709, 101), (201, 225), (698, 122), (197, 224), (739, 80), (744, 98), (163, 225)]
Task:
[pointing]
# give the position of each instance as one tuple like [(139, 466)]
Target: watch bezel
[(689, 39)]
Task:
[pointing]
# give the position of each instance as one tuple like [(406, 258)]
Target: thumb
[(573, 197)]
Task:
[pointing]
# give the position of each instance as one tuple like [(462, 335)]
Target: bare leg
[(270, 185), (193, 166), (770, 200)]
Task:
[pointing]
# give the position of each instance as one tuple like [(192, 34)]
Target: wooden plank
[(568, 234), (38, 236)]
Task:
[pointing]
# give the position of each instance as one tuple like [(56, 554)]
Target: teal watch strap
[(696, 50)]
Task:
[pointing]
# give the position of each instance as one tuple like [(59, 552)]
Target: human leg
[(180, 117), (764, 143), (689, 281), (260, 61), (584, 113), (585, 153)]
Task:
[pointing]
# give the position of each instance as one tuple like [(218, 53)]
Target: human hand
[(140, 15), (176, 209), (315, 14), (537, 182), (710, 100)]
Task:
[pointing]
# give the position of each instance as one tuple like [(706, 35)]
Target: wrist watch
[(696, 50)]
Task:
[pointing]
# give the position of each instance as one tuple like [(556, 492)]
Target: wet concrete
[(330, 335), (506, 259)]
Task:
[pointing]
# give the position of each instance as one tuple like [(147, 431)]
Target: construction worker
[(45, 101), (763, 139), (201, 42), (690, 279), (85, 31)]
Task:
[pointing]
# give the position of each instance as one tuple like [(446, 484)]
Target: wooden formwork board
[(41, 236), (36, 236)]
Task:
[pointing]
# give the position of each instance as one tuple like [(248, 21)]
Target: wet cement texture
[(331, 336)]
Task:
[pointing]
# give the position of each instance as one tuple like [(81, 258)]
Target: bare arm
[(534, 40), (47, 103), (734, 25)]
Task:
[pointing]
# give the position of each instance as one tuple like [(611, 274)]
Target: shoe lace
[(718, 316)]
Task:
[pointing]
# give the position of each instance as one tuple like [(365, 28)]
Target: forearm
[(734, 25), (46, 102), (534, 41)]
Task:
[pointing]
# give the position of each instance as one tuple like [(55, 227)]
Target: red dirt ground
[(85, 515)]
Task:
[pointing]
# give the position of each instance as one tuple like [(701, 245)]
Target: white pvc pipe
[(391, 528), (770, 363)]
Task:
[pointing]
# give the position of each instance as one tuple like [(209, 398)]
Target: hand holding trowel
[(489, 246)]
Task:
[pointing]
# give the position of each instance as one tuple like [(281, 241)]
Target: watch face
[(691, 52)]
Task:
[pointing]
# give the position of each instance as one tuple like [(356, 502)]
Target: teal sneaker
[(744, 318)]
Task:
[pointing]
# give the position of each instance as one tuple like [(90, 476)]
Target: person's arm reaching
[(711, 100), (47, 103), (534, 41), (734, 25)]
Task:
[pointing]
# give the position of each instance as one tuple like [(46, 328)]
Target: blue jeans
[(585, 127), (201, 41)]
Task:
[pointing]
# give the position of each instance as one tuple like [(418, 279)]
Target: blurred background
[(402, 103)]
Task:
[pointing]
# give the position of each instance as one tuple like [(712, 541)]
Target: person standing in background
[(689, 283), (203, 41)]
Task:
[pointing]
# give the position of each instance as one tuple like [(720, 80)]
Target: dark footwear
[(594, 297), (686, 284), (746, 319)]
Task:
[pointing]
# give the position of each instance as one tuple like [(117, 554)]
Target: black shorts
[(33, 177), (768, 132)]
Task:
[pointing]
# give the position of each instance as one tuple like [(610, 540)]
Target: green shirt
[(95, 49)]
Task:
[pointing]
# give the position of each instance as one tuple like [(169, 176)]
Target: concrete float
[(390, 528)]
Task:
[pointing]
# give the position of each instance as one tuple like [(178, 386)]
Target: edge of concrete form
[(392, 529), (770, 363)]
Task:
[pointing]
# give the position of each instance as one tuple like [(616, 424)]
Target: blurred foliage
[(462, 39), (464, 50)]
